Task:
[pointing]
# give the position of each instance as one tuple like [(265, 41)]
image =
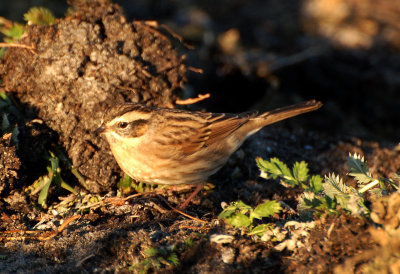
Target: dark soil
[(9, 163), (96, 57)]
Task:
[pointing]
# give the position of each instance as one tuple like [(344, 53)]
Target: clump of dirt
[(386, 233), (328, 244), (84, 64)]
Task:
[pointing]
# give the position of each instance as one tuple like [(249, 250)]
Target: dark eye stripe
[(131, 129), (139, 122), (138, 128)]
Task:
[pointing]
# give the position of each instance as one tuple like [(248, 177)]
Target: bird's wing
[(222, 125), (188, 132)]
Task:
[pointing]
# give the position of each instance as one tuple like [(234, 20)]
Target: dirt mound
[(84, 64)]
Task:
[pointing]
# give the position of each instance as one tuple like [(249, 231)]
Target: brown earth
[(95, 58)]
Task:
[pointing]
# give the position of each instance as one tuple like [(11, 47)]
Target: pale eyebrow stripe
[(131, 117)]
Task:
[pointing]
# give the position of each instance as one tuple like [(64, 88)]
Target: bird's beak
[(100, 130)]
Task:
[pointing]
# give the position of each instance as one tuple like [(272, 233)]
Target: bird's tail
[(280, 114)]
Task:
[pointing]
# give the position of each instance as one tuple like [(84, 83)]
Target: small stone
[(228, 255)]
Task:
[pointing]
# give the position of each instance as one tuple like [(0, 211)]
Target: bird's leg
[(185, 203)]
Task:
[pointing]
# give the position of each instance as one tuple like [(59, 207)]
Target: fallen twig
[(180, 212), (119, 201), (16, 45), (41, 235), (190, 101), (197, 70)]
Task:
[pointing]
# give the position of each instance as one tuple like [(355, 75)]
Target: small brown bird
[(169, 146)]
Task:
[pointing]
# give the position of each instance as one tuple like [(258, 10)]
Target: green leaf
[(336, 189), (276, 168), (316, 183), (239, 220), (300, 171), (357, 164), (13, 33), (151, 252), (125, 184), (56, 171), (189, 242), (65, 186), (361, 178), (260, 229), (307, 201), (242, 207), (266, 209), (39, 16), (334, 186), (327, 204), (54, 164), (44, 192), (234, 207), (4, 96), (139, 187), (226, 213), (173, 258), (317, 203), (359, 169)]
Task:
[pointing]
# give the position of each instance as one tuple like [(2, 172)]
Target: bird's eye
[(122, 125)]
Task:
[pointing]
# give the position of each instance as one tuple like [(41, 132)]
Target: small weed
[(13, 31), (42, 185), (39, 16), (156, 258), (242, 216), (298, 176), (189, 242), (325, 195), (128, 185)]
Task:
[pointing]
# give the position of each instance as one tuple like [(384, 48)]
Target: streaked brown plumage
[(170, 146)]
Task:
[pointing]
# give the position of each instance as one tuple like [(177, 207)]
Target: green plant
[(325, 195), (35, 16), (189, 242), (71, 167), (241, 215), (39, 16), (298, 176), (127, 184), (13, 32), (156, 258), (42, 185), (359, 170)]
